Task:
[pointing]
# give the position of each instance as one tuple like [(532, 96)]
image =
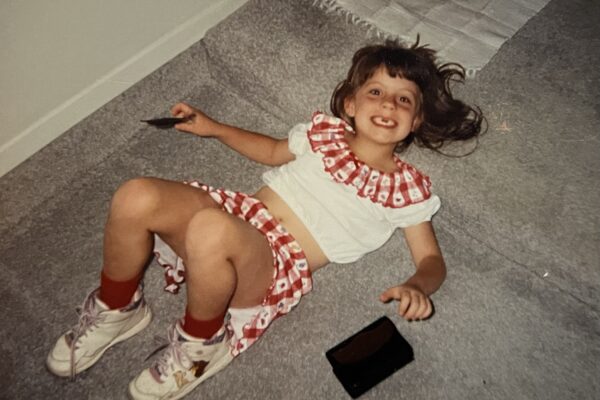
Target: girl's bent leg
[(140, 208), (229, 263)]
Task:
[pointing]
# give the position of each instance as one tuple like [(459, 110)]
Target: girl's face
[(385, 109)]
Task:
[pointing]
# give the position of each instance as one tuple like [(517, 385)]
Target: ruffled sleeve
[(413, 214), (298, 139)]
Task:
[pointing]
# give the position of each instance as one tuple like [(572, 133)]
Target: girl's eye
[(375, 92), (404, 99)]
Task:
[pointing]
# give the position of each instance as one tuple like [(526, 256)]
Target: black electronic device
[(164, 123), (369, 356)]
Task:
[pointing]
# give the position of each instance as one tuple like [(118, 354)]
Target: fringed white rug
[(469, 32)]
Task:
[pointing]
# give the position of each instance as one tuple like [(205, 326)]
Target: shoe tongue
[(100, 304), (183, 334)]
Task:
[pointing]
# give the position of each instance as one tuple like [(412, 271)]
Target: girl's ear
[(417, 122), (349, 107)]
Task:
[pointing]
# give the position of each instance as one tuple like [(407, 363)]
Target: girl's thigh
[(161, 206), (216, 235)]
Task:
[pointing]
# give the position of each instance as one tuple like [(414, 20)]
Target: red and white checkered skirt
[(291, 276)]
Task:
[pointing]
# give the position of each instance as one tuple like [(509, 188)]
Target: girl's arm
[(413, 295), (256, 146)]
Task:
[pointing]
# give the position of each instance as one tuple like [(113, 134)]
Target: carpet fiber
[(517, 317)]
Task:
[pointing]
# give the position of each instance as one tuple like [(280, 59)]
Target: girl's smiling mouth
[(383, 122)]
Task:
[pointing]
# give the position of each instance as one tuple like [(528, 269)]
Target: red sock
[(117, 294), (202, 329)]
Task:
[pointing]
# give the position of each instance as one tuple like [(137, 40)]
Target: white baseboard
[(69, 113)]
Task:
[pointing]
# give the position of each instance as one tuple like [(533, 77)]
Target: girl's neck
[(375, 156)]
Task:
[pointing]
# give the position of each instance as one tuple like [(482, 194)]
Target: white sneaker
[(98, 329), (185, 363)]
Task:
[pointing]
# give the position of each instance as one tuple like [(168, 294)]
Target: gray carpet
[(518, 315)]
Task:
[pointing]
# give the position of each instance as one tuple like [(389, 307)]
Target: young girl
[(338, 192)]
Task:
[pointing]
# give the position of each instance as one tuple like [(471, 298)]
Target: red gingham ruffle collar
[(396, 189)]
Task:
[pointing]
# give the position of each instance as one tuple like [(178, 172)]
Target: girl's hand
[(413, 303), (197, 122)]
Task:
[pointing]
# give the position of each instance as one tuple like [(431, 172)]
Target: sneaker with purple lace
[(97, 329), (185, 362)]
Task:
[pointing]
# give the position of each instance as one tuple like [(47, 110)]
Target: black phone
[(369, 356), (164, 123)]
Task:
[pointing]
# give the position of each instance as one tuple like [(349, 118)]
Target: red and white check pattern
[(292, 278), (395, 190)]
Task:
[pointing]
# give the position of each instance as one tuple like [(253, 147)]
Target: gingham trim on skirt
[(291, 276)]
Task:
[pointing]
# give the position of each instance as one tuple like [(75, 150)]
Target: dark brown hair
[(444, 118)]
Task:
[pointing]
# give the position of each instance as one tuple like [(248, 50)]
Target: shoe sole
[(224, 361), (137, 328)]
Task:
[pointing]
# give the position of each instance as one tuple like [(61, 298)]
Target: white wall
[(62, 59)]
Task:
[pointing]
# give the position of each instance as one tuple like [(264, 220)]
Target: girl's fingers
[(176, 109), (419, 307), (389, 295), (182, 126), (181, 110), (404, 303), (429, 309), (424, 308), (411, 304), (415, 303)]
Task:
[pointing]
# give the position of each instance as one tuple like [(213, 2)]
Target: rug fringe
[(333, 7)]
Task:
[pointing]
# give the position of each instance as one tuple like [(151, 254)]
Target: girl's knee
[(136, 197), (208, 232)]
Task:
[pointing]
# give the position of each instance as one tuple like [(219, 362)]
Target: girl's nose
[(388, 102)]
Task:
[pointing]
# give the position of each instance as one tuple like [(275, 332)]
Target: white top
[(349, 208)]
